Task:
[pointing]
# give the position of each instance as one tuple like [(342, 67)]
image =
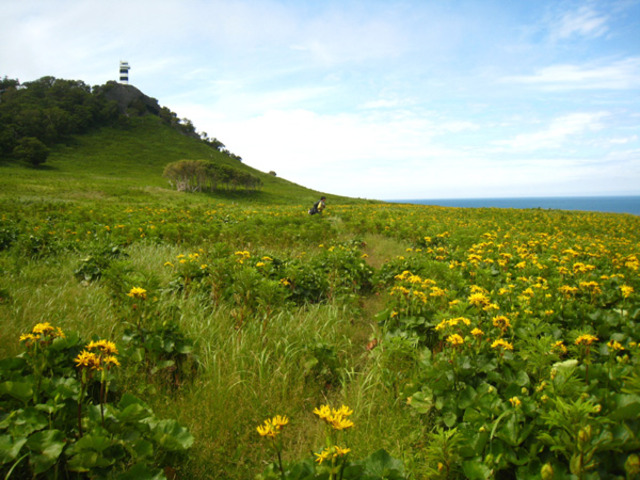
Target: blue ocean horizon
[(608, 204)]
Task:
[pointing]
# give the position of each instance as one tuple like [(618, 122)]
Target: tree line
[(37, 115), (206, 176)]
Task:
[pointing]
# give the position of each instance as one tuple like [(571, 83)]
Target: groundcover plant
[(147, 340)]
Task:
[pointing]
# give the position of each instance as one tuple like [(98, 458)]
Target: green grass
[(116, 163)]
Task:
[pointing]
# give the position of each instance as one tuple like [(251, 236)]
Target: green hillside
[(116, 162)]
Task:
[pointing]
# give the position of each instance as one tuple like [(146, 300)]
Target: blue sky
[(376, 99)]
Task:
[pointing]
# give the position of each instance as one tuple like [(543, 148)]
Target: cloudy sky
[(385, 99)]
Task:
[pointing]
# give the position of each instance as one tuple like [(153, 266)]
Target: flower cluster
[(336, 418), (331, 453), (42, 334), (138, 292), (98, 355), (272, 426)]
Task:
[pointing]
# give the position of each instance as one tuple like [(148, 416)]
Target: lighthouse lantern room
[(124, 72)]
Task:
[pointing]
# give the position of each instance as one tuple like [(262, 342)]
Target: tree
[(31, 150)]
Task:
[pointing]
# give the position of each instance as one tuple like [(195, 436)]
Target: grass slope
[(114, 163)]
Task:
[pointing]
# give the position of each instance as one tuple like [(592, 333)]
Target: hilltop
[(112, 141)]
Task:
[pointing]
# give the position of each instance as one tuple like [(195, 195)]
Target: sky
[(395, 99)]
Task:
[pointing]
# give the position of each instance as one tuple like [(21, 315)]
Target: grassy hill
[(116, 163)]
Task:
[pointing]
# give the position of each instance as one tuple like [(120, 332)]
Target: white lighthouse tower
[(124, 72)]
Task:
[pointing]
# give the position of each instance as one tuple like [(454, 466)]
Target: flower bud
[(632, 465), (546, 472)]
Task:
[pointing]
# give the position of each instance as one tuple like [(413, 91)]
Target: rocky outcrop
[(130, 100)]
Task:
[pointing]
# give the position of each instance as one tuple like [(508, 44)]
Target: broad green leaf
[(422, 401), (467, 398), (476, 470), (22, 391), (46, 447), (10, 448), (627, 407), (381, 465), (450, 419), (170, 435), (87, 460), (140, 471)]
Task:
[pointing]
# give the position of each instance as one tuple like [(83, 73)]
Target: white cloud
[(585, 22), (618, 75), (559, 131)]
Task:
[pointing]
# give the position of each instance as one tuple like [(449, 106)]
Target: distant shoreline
[(607, 204)]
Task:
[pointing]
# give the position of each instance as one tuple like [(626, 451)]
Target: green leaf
[(22, 391), (46, 447), (467, 398), (450, 419), (627, 407), (381, 465), (522, 379), (170, 435), (10, 448), (422, 401), (140, 471), (476, 470), (88, 460)]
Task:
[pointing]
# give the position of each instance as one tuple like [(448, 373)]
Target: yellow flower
[(568, 291), (479, 300), (341, 452), (455, 339), (476, 332), (586, 339), (267, 430), (89, 360), (105, 346), (502, 344), (29, 338), (137, 292), (323, 412), (559, 345), (515, 402), (614, 345), (336, 418), (626, 290), (111, 360), (279, 421), (43, 329), (322, 456), (272, 427), (501, 322)]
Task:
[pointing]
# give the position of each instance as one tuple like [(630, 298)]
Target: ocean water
[(622, 204)]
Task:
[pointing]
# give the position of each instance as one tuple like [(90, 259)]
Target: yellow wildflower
[(137, 292), (586, 339), (626, 290), (455, 339), (559, 345), (105, 346), (515, 402), (615, 346), (501, 322), (89, 360), (500, 343)]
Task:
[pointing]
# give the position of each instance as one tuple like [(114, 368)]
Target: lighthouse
[(124, 72)]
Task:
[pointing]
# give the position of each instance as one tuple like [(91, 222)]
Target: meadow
[(190, 336)]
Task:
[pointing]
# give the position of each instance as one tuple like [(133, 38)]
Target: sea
[(617, 204)]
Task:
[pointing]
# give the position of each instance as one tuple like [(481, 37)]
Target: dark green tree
[(31, 150)]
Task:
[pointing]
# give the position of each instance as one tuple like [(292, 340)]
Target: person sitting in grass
[(318, 207)]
